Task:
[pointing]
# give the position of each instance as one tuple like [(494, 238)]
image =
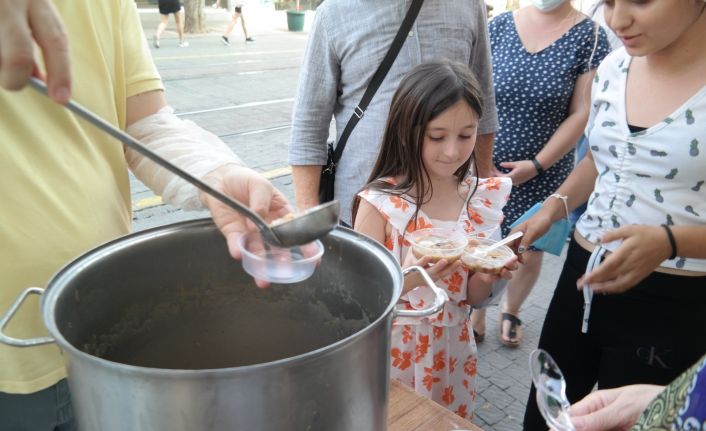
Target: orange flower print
[(452, 363), (440, 360), (465, 383), (400, 203), (407, 335), (454, 282), (474, 394), (401, 242), (400, 359), (421, 348), (429, 379), (461, 411), (477, 218), (487, 203), (438, 332), (469, 367), (448, 395), (421, 303), (422, 223), (465, 336), (389, 244), (492, 184)]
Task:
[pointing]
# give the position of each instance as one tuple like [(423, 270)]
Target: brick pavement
[(260, 134)]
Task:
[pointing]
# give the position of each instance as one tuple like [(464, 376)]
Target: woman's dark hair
[(423, 94)]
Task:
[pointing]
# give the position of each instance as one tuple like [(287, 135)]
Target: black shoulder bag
[(328, 173)]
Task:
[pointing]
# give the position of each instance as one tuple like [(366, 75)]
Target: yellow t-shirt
[(64, 184)]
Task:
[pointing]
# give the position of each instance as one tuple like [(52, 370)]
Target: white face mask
[(547, 5)]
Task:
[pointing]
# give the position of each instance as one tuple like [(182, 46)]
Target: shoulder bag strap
[(379, 76)]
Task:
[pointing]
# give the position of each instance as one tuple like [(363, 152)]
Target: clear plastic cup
[(437, 243), (278, 264), (476, 259)]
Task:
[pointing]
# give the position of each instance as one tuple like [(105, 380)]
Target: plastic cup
[(282, 265)]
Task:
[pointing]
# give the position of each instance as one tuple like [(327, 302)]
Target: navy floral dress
[(533, 92)]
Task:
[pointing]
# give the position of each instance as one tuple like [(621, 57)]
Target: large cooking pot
[(163, 330)]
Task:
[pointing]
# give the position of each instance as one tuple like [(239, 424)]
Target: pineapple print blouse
[(655, 176)]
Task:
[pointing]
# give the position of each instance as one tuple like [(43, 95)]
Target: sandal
[(512, 340), (478, 336)]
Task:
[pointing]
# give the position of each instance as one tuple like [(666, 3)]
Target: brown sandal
[(512, 341)]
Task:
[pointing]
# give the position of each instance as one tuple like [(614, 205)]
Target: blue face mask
[(546, 5), (553, 241)]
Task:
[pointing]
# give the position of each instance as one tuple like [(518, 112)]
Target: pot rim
[(57, 283)]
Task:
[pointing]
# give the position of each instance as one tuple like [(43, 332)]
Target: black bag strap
[(379, 76)]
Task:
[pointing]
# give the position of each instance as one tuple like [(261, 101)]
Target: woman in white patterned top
[(640, 242)]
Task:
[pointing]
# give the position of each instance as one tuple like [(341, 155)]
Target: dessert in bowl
[(477, 259), (438, 244)]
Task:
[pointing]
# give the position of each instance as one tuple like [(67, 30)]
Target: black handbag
[(328, 172)]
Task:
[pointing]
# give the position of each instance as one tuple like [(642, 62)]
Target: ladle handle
[(133, 143), (440, 296), (9, 314)]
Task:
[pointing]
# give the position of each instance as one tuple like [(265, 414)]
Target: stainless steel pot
[(162, 330)]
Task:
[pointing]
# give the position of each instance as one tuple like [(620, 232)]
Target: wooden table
[(410, 411)]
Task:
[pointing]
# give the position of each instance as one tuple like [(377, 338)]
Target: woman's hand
[(505, 274), (520, 171), (643, 248), (612, 409), (250, 188), (22, 23)]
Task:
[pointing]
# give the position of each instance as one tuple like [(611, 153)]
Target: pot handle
[(5, 319), (439, 301)]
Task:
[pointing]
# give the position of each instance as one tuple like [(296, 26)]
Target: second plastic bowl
[(475, 259)]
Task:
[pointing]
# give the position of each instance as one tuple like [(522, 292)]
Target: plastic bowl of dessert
[(438, 244), (476, 259)]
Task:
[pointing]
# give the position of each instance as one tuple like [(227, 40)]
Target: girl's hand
[(520, 171), (480, 285), (642, 250), (506, 273), (436, 270)]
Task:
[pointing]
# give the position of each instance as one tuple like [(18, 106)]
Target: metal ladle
[(312, 224), (551, 390)]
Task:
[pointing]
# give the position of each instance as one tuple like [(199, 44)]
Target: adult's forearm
[(563, 140), (306, 185), (484, 155), (578, 187)]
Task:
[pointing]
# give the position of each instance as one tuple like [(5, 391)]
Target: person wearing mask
[(629, 304), (544, 58)]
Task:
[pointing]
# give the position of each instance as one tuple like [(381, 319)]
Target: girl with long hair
[(422, 179)]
